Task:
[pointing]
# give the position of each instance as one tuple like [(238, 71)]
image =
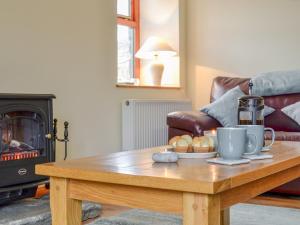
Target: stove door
[(23, 145)]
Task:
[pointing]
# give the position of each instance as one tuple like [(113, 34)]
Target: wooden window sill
[(146, 86)]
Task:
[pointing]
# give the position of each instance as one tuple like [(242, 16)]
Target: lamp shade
[(155, 47)]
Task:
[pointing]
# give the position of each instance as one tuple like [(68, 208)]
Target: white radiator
[(144, 122)]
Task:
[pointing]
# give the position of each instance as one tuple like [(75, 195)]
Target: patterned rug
[(241, 214), (37, 212)]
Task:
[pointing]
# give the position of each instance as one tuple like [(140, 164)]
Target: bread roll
[(173, 141), (189, 140), (201, 144), (182, 146)]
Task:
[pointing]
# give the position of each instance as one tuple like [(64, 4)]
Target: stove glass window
[(23, 136)]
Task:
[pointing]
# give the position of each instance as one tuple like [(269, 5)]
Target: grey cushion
[(225, 109), (293, 111), (268, 110), (276, 83)]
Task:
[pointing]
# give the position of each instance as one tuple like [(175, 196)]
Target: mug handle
[(267, 148), (256, 144)]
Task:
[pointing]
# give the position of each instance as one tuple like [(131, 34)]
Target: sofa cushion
[(268, 111), (225, 108), (277, 120), (293, 112), (276, 83)]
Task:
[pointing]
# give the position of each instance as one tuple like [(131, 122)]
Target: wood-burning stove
[(25, 130)]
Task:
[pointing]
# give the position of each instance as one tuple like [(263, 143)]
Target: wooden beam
[(250, 190), (130, 196), (276, 201)]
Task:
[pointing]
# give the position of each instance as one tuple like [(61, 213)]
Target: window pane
[(124, 8), (125, 53)]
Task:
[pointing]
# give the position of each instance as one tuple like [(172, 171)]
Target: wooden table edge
[(50, 169), (122, 179)]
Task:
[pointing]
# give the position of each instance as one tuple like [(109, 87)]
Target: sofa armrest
[(193, 121)]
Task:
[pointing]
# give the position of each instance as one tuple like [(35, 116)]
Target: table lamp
[(154, 49)]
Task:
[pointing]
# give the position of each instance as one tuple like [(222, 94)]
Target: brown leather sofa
[(194, 123)]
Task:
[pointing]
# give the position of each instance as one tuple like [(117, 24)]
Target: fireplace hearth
[(26, 140)]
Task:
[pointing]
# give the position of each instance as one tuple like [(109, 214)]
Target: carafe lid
[(251, 101)]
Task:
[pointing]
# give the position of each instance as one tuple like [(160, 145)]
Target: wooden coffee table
[(202, 192)]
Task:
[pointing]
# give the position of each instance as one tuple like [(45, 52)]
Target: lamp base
[(156, 71)]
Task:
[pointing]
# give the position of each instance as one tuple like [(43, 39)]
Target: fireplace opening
[(23, 136)]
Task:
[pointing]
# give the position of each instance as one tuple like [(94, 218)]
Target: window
[(128, 40)]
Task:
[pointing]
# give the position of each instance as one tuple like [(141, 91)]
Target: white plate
[(205, 155)]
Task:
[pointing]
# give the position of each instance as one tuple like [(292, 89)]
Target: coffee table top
[(136, 168)]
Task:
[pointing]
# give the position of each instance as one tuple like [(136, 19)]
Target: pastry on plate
[(189, 140), (201, 144), (173, 141), (182, 146)]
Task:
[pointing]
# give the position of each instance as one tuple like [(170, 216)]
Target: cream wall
[(68, 47), (239, 37)]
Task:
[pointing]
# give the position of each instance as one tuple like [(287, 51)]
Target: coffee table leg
[(201, 209), (65, 211), (225, 217)]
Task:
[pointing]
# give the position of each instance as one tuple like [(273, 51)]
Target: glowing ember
[(20, 155)]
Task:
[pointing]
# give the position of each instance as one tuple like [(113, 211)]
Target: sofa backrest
[(277, 120)]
